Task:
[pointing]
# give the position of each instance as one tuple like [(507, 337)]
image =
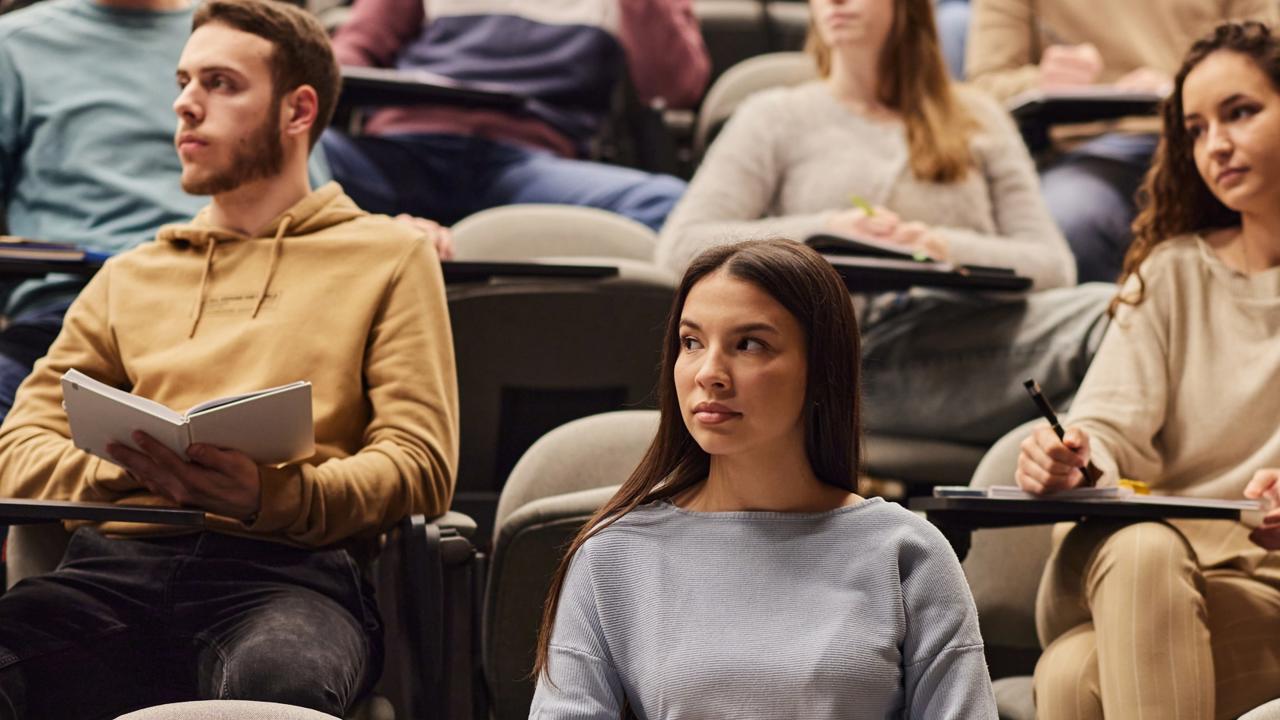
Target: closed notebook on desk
[(271, 426), (1079, 105), (1105, 494)]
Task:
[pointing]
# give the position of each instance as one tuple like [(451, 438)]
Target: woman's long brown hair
[(914, 82), (809, 288), (1174, 199)]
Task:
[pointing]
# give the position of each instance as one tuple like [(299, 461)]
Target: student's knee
[(1094, 217), (1066, 678), (651, 200), (1143, 553), (294, 658)]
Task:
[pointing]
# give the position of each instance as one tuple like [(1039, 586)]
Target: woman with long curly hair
[(1180, 619), (736, 574)]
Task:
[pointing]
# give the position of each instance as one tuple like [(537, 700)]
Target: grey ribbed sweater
[(860, 612)]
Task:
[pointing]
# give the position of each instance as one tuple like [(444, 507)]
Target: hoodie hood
[(320, 210), (323, 208)]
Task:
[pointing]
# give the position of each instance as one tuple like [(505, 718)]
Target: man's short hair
[(301, 54)]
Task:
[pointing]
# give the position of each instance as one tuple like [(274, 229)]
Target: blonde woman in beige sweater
[(949, 175), (1180, 619)]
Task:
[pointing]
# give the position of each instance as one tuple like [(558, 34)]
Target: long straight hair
[(914, 82), (809, 288), (1174, 200)]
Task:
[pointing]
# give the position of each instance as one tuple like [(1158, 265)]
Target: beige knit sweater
[(1006, 37), (1183, 390), (791, 157)]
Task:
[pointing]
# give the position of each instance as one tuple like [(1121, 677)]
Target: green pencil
[(862, 204)]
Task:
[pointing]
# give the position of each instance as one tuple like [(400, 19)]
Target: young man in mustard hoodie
[(271, 283)]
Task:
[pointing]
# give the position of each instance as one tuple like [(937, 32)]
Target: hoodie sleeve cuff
[(280, 501)]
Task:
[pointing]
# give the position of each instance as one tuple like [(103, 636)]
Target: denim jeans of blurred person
[(124, 624), (26, 339), (1090, 193), (950, 366), (952, 17), (448, 177)]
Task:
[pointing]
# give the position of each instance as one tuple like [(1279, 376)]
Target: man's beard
[(261, 155)]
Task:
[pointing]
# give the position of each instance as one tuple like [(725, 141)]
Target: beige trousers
[(1157, 621)]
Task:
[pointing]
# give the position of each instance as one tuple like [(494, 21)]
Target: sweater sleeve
[(376, 31), (37, 458), (1122, 400), (410, 449), (1261, 10), (944, 665), (665, 52), (734, 189), (581, 682), (1000, 57), (1026, 237)]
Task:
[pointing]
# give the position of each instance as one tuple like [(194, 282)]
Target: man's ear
[(300, 110)]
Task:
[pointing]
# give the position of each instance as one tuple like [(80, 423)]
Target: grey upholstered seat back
[(225, 710), (524, 232), (1003, 569), (558, 483), (533, 355), (1004, 565)]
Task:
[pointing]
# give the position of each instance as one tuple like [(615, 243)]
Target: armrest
[(421, 622), (456, 521)]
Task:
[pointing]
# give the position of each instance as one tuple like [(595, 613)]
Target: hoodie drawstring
[(198, 310), (271, 266)]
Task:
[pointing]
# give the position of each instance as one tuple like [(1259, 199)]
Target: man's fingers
[(148, 472), (168, 460), (214, 458)]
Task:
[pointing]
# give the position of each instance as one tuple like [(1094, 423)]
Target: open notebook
[(271, 426)]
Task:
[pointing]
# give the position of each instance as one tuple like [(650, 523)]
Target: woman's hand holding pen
[(1047, 464), (1064, 66), (1146, 80), (1265, 486)]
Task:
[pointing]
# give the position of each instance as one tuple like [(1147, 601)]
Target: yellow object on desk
[(1137, 486)]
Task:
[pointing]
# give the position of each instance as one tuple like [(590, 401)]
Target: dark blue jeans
[(1090, 192), (25, 340), (124, 624), (448, 177)]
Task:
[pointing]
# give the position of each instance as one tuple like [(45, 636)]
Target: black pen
[(1091, 471)]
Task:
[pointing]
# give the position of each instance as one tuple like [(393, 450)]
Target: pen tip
[(1029, 384)]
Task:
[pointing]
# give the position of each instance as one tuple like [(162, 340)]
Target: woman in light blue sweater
[(736, 574)]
